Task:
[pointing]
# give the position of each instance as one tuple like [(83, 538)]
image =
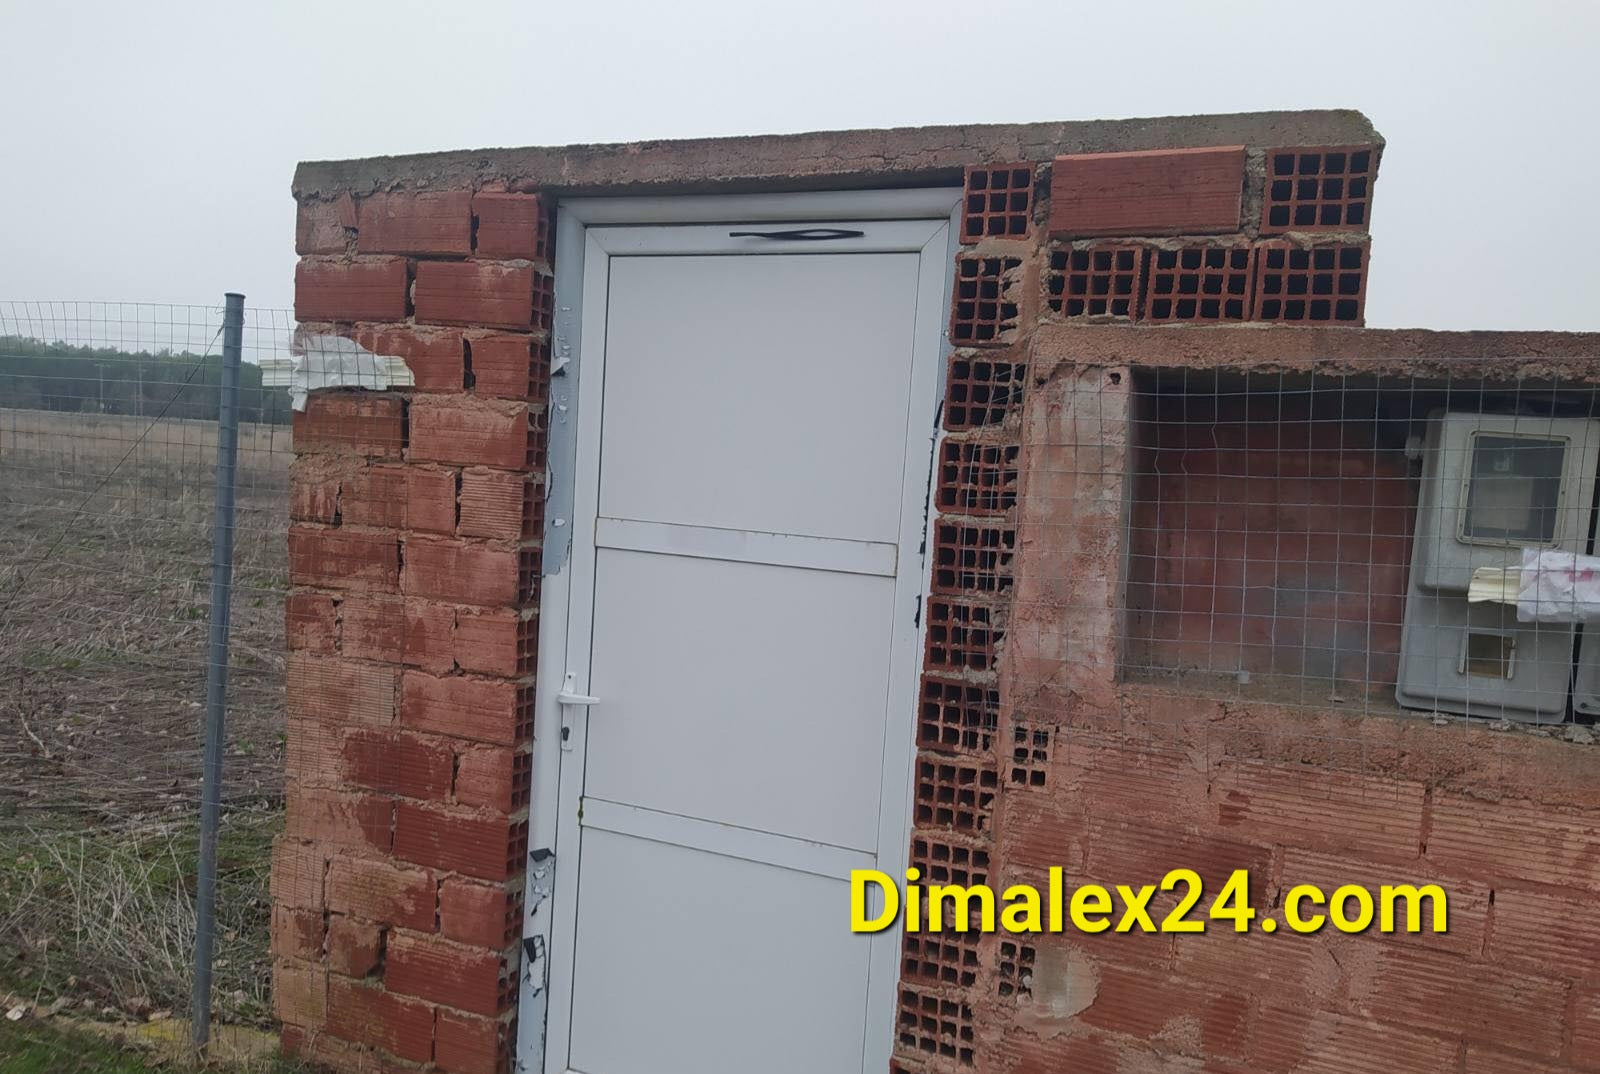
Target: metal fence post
[(217, 663)]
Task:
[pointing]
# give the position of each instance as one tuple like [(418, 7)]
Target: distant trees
[(36, 375)]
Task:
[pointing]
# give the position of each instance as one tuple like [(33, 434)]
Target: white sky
[(149, 146)]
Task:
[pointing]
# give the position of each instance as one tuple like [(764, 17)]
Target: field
[(105, 562)]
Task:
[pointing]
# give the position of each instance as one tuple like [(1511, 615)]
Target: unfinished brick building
[(978, 500)]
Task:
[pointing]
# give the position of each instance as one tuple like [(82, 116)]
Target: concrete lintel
[(1350, 351), (902, 156)]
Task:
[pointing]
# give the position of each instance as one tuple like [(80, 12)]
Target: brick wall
[(412, 625), (1095, 523), (1060, 532)]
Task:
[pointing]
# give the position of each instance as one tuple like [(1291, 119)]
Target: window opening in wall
[(1374, 542)]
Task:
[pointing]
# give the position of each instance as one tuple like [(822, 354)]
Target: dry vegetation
[(104, 590)]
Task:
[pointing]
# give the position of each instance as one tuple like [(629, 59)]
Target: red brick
[(997, 201), (510, 226), (1325, 283), (328, 1052), (299, 994), (350, 423), (494, 504), (1452, 996), (484, 777), (1482, 1060), (1309, 1041), (443, 972), (479, 914), (415, 223), (368, 1014), (481, 294), (398, 763), (1141, 780), (380, 892), (502, 365), (336, 692), (351, 290), (1586, 1029), (430, 636), (1174, 1013), (1281, 964), (473, 844), (323, 227), (1142, 853), (372, 626), (495, 641), (430, 499), (434, 355), (449, 569), (1319, 188), (297, 871), (310, 622), (338, 820), (481, 434), (343, 559), (467, 1045), (1515, 839), (1322, 810), (314, 482), (296, 933), (1544, 931), (311, 753), (355, 948), (1148, 192), (484, 710), (374, 496)]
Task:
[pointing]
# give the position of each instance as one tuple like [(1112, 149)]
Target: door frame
[(589, 231)]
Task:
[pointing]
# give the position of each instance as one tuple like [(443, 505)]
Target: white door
[(753, 453)]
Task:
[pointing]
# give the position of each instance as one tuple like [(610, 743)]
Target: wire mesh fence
[(1253, 558), (108, 452)]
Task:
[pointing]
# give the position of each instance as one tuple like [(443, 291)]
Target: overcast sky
[(149, 146)]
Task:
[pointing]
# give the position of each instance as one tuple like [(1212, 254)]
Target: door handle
[(569, 699), (803, 234)]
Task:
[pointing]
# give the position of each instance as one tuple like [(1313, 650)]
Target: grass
[(104, 591), (40, 1048), (56, 1047), (108, 916)]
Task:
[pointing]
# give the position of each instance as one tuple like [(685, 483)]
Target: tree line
[(36, 375)]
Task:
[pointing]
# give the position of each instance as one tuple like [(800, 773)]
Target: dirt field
[(104, 590)]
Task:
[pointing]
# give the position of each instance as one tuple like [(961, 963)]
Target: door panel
[(741, 693), (747, 552), (759, 393), (692, 962)]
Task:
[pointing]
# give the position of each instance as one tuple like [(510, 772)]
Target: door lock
[(569, 699)]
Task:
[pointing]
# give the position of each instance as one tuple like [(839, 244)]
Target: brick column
[(412, 628)]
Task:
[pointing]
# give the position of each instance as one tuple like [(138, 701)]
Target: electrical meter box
[(1492, 485), (1586, 683)]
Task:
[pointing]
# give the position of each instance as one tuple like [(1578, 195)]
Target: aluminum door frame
[(581, 255)]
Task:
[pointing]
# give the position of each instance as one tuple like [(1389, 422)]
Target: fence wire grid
[(108, 451), (1317, 543)]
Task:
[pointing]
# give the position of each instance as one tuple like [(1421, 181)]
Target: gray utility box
[(1492, 485), (1586, 684)]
